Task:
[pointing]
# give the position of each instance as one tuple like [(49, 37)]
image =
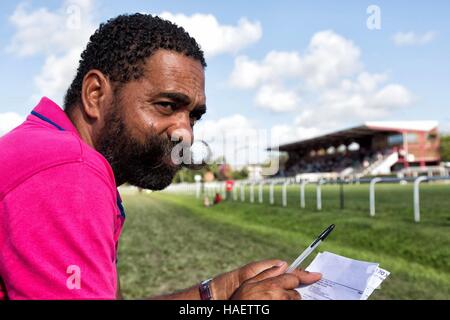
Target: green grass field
[(171, 241)]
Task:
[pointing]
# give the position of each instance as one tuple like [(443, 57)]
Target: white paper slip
[(375, 281), (342, 278)]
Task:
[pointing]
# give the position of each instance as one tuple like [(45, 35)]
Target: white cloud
[(9, 121), (56, 75), (43, 31), (354, 101), (328, 58), (327, 86), (286, 133), (210, 130), (413, 39), (60, 36), (235, 136), (393, 95), (215, 38), (276, 98), (275, 66), (244, 142)]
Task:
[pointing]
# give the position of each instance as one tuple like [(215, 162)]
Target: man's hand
[(261, 281)]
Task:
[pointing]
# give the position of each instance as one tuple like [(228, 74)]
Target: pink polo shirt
[(60, 212)]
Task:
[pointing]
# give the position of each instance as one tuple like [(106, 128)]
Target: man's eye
[(166, 107), (166, 104)]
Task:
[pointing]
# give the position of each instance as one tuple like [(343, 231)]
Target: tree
[(240, 174), (445, 148), (221, 172)]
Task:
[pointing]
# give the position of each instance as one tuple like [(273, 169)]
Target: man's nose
[(181, 131)]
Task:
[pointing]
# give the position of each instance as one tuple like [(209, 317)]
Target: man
[(139, 88)]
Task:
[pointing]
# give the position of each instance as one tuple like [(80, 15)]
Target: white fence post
[(211, 188), (252, 187), (417, 197), (242, 192), (198, 186), (319, 194), (271, 198), (284, 195), (302, 194), (372, 195), (260, 192)]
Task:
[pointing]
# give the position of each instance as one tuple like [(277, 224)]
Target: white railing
[(211, 188)]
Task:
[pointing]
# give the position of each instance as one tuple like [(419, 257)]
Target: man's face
[(149, 116)]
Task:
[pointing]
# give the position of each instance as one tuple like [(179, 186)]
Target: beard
[(145, 165)]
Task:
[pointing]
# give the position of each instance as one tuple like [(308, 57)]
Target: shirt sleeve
[(58, 229)]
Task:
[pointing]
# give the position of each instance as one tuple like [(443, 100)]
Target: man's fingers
[(284, 295), (276, 270), (306, 277), (294, 295), (285, 281), (252, 269)]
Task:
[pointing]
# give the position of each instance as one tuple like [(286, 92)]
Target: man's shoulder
[(28, 150)]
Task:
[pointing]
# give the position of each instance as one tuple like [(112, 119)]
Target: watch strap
[(205, 290)]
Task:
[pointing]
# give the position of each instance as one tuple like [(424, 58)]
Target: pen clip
[(323, 235)]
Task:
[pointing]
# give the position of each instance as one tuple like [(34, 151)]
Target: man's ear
[(96, 91)]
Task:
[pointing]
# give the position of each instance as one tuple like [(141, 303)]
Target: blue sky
[(329, 70)]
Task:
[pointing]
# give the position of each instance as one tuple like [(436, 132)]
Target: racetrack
[(170, 241)]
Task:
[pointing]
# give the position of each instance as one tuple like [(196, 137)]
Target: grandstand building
[(374, 148)]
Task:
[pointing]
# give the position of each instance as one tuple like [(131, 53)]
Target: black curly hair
[(119, 48)]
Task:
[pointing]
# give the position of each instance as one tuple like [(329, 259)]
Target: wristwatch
[(205, 290)]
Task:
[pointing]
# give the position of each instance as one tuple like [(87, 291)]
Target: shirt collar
[(55, 113)]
